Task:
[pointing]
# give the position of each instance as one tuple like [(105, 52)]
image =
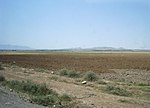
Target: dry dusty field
[(123, 78), (84, 61)]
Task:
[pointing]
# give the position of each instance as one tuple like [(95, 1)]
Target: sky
[(57, 24)]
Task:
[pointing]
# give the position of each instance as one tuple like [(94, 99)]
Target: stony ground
[(84, 95)]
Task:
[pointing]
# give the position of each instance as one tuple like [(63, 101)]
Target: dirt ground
[(100, 63), (130, 75), (86, 95)]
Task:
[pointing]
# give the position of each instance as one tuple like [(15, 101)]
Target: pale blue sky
[(51, 24)]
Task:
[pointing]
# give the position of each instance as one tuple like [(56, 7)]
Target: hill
[(13, 47)]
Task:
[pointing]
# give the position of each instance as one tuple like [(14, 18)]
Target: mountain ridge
[(13, 47), (18, 47)]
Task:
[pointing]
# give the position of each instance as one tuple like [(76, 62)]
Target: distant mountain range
[(99, 49), (103, 49), (17, 47), (13, 47)]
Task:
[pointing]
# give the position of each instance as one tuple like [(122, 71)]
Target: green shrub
[(35, 89), (117, 90), (29, 87), (46, 100), (110, 87), (14, 84), (90, 76), (145, 88), (39, 93), (69, 73), (2, 78), (51, 99), (65, 98), (144, 84), (63, 72), (73, 74)]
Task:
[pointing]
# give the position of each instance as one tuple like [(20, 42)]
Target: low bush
[(144, 84), (117, 90), (90, 76), (63, 72), (65, 98), (46, 100), (29, 87), (69, 73), (73, 74), (39, 93)]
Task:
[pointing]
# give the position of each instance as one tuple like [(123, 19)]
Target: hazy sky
[(75, 23)]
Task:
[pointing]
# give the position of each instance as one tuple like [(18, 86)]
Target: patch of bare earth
[(87, 94), (130, 75)]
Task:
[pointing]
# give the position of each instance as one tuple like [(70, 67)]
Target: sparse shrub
[(110, 87), (117, 90), (29, 87), (144, 84), (35, 89), (100, 81), (65, 98), (46, 100), (51, 99), (2, 78), (90, 76), (39, 93), (63, 72), (69, 73), (14, 84), (145, 88), (73, 74)]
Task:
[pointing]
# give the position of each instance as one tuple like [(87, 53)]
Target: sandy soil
[(84, 94)]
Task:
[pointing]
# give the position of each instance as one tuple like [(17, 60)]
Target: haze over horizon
[(58, 24)]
